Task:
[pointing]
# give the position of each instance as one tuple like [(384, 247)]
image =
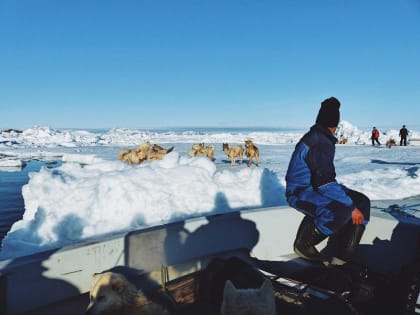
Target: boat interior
[(187, 262)]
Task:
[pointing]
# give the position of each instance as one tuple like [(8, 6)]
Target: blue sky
[(142, 64)]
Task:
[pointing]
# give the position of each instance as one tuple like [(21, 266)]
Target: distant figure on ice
[(330, 209), (403, 135), (375, 136)]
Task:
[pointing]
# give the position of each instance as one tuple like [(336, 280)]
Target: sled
[(414, 141)]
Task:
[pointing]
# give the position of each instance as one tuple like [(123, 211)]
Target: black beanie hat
[(329, 113)]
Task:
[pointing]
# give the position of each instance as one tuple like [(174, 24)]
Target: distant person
[(403, 135), (375, 136), (330, 209)]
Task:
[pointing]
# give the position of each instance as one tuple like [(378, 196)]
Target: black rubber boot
[(306, 238), (350, 243), (344, 243)]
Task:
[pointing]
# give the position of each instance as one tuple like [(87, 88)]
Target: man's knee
[(333, 217), (361, 201), (341, 213)]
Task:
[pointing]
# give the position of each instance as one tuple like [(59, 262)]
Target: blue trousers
[(329, 215)]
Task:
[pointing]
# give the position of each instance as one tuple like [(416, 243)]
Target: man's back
[(311, 161)]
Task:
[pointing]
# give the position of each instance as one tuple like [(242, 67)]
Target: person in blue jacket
[(330, 209)]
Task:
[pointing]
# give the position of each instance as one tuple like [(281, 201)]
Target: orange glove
[(357, 216)]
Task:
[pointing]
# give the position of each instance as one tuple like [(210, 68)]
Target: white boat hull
[(63, 276)]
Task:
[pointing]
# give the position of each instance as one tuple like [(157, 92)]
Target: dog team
[(149, 152)]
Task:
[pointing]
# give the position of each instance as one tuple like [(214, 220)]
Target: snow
[(93, 194)]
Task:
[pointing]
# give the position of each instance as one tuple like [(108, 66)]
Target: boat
[(58, 281), (414, 141)]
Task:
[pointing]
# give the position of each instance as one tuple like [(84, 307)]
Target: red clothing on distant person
[(375, 136)]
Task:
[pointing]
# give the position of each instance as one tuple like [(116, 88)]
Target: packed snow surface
[(92, 193)]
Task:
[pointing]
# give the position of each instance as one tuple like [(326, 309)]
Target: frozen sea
[(60, 187)]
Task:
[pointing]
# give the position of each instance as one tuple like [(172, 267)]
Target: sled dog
[(390, 143), (251, 152), (144, 152), (112, 294), (199, 149), (233, 153)]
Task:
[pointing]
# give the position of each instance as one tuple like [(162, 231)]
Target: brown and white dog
[(112, 294), (390, 143), (157, 152), (233, 153), (251, 152), (144, 152), (135, 156), (199, 149)]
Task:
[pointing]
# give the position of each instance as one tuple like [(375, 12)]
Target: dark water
[(11, 201)]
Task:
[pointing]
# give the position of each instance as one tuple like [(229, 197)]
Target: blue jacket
[(311, 169)]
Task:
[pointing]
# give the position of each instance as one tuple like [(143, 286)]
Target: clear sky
[(142, 64)]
